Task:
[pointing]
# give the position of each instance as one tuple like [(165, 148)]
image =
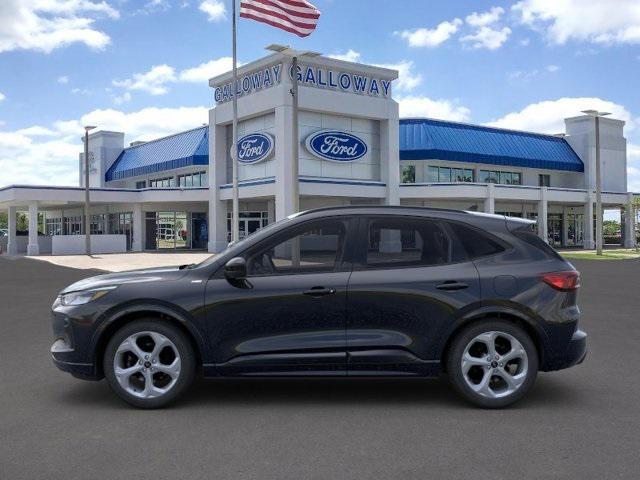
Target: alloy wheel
[(147, 364), (494, 364)]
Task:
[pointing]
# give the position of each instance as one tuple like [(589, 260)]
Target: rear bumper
[(574, 353)]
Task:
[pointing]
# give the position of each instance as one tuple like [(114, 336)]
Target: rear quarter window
[(475, 242), (528, 234)]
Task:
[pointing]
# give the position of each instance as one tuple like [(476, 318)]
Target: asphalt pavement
[(581, 423)]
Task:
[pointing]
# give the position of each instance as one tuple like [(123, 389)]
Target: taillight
[(564, 281)]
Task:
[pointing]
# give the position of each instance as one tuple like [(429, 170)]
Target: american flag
[(294, 16)]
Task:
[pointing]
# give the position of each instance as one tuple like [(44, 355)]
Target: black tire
[(454, 362), (183, 346)]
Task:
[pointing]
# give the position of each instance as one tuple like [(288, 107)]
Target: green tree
[(3, 220)]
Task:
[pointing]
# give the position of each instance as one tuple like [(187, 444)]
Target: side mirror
[(236, 269)]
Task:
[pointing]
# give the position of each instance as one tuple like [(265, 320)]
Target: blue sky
[(141, 66)]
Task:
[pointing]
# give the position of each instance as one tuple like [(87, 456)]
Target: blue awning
[(427, 139), (176, 151)]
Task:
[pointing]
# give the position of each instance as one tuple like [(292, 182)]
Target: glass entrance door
[(554, 229), (575, 229)]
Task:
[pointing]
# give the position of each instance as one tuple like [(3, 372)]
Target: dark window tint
[(474, 242), (529, 235), (406, 243), (316, 247)]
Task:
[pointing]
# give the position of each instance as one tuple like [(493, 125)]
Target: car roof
[(399, 210)]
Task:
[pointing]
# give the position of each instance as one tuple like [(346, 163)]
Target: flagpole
[(235, 233)]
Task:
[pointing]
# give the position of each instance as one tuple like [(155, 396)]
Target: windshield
[(239, 246)]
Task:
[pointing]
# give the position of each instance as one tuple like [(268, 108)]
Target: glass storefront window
[(409, 174), (432, 174), (176, 230), (503, 178)]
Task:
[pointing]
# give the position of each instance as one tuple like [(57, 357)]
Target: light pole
[(295, 146), (596, 114), (87, 216)]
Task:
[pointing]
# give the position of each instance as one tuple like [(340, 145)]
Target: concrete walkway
[(119, 262)]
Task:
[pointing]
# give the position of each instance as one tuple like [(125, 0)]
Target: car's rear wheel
[(149, 363), (492, 363)]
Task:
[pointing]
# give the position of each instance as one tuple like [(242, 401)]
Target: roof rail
[(385, 207)]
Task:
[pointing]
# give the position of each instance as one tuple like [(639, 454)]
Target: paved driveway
[(580, 423)]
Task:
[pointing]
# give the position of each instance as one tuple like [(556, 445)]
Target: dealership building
[(176, 192)]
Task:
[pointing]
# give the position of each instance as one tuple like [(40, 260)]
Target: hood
[(133, 276)]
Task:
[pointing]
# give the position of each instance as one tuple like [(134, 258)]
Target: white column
[(218, 209), (283, 159), (565, 227), (542, 215), (589, 241), (138, 220), (390, 157), (12, 245), (271, 210), (490, 201), (33, 247), (629, 223)]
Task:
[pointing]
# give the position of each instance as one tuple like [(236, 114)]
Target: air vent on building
[(136, 143)]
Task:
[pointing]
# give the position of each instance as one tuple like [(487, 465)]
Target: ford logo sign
[(255, 147), (336, 146)]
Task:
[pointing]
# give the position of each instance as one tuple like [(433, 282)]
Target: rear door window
[(406, 242)]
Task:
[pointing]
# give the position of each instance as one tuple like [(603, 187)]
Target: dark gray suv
[(354, 291)]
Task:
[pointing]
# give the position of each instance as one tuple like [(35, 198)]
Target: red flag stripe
[(271, 13), (276, 21), (295, 31), (289, 8), (295, 16), (277, 5)]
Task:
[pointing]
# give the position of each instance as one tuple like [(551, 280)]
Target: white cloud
[(487, 37), (548, 116), (120, 99), (595, 21), (214, 9), (203, 72), (407, 78), (154, 81), (63, 79), (525, 42), (349, 56), (2, 96), (45, 25), (419, 106), (424, 37), (486, 18), (49, 155), (527, 75)]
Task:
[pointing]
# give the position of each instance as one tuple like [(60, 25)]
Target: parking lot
[(579, 423)]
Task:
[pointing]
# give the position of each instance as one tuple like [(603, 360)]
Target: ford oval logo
[(336, 146), (255, 147)]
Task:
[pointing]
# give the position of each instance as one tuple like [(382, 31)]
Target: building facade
[(175, 193)]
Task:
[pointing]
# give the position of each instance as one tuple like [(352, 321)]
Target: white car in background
[(4, 232)]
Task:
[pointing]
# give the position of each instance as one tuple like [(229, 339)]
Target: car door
[(409, 282), (289, 316)]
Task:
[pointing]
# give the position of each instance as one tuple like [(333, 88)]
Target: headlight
[(84, 296)]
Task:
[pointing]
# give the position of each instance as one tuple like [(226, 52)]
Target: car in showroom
[(345, 291)]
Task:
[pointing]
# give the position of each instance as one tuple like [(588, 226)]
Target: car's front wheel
[(492, 363), (149, 363)]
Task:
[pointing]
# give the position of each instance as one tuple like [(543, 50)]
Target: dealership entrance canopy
[(175, 192)]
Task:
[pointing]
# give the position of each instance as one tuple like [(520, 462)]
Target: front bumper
[(574, 353), (62, 356)]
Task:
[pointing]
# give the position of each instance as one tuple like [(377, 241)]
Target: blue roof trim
[(427, 139), (181, 150)]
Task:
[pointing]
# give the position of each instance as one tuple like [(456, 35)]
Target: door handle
[(452, 285), (319, 291)]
